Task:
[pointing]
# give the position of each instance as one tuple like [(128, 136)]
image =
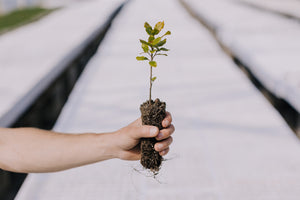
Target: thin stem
[(150, 84), (150, 90)]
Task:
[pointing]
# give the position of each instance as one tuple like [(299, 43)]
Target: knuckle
[(171, 129), (167, 131), (170, 140)]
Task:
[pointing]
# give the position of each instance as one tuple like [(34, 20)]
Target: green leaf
[(161, 43), (153, 79), (144, 42), (148, 28), (164, 49), (151, 38), (145, 48), (162, 54), (147, 25), (153, 64), (167, 33), (153, 51), (149, 31), (141, 58), (155, 32), (156, 41), (159, 26)]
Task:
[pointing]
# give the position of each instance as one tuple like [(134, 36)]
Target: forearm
[(34, 150)]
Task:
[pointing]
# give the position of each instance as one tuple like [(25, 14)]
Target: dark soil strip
[(46, 107), (269, 10), (287, 111)]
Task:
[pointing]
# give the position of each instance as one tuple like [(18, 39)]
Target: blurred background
[(234, 69), (10, 5)]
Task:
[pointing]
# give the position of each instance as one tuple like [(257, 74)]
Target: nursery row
[(289, 9), (230, 143), (35, 57), (266, 43), (40, 64)]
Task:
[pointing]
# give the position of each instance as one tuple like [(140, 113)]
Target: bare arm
[(32, 150), (35, 150)]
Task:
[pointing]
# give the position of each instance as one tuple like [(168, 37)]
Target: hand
[(128, 138)]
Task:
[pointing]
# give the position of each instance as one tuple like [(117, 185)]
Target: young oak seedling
[(153, 112), (153, 47)]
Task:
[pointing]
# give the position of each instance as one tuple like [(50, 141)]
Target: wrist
[(114, 146), (105, 146)]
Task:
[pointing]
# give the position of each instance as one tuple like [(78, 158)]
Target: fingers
[(165, 133), (163, 145), (164, 152), (167, 121), (144, 132)]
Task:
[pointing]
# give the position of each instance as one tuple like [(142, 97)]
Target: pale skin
[(30, 150)]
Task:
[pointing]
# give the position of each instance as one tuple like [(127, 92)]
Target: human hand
[(128, 138)]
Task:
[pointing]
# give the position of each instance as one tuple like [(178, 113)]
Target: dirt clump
[(153, 114)]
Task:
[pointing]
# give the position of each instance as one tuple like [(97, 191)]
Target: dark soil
[(153, 114)]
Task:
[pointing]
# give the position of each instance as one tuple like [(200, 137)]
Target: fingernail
[(166, 122), (153, 131), (160, 135), (159, 146)]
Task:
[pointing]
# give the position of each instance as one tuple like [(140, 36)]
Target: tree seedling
[(153, 112), (153, 47)]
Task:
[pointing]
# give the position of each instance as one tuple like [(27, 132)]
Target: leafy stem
[(150, 90), (152, 47)]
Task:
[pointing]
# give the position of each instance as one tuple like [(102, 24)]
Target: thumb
[(145, 132)]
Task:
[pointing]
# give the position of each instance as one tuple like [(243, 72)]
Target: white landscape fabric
[(267, 43), (30, 53), (287, 7), (229, 143)]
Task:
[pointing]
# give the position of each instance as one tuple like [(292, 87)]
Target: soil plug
[(153, 112)]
